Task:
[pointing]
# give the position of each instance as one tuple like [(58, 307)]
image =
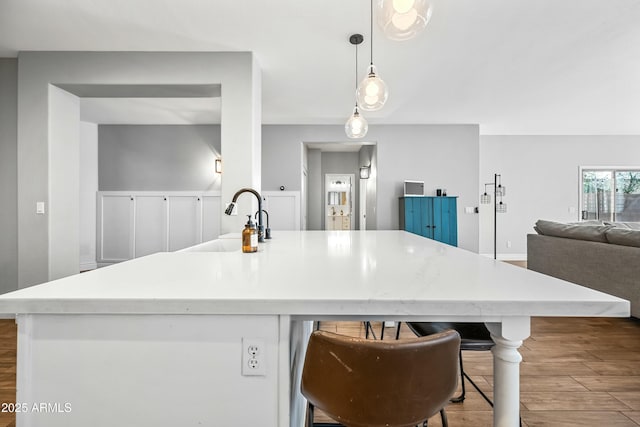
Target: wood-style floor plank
[(8, 345), (576, 419)]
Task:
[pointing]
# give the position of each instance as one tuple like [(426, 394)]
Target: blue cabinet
[(431, 217)]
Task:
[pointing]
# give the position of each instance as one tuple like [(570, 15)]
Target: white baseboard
[(84, 266), (105, 264), (7, 316), (508, 257)]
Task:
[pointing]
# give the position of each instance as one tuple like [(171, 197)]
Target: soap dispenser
[(250, 237)]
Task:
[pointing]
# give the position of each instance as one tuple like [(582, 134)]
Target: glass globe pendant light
[(403, 19), (372, 92), (356, 126)]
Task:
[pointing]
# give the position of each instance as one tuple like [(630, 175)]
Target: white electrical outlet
[(254, 362), (508, 243)]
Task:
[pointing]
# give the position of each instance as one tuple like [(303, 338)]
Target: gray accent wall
[(8, 175), (158, 157), (444, 156)]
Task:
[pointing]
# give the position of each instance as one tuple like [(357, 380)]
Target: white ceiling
[(150, 111), (513, 66), (340, 147)]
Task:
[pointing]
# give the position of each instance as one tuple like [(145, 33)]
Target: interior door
[(363, 205), (305, 198)]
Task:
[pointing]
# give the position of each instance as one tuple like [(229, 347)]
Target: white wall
[(156, 157), (88, 188), (8, 175), (541, 174), (62, 205), (444, 156)]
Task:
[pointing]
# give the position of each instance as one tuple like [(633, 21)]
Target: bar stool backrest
[(364, 383)]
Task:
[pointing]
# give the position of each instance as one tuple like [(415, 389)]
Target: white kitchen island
[(157, 341)]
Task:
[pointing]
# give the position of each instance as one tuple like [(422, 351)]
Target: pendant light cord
[(371, 28), (356, 74)]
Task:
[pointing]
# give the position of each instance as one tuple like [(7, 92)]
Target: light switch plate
[(40, 208)]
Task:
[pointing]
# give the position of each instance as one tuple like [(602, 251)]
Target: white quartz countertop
[(318, 273)]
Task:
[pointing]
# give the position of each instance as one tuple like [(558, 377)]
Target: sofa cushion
[(589, 222), (627, 225), (594, 233), (624, 236)]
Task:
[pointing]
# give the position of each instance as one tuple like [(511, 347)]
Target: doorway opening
[(320, 159), (338, 201)]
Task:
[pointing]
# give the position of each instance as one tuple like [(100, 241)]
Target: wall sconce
[(218, 165), (364, 172)]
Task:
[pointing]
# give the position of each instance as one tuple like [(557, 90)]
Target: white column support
[(284, 368), (508, 337), (241, 142)]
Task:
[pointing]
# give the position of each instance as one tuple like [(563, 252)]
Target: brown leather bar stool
[(365, 383)]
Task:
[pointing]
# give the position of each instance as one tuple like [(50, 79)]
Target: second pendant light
[(356, 126), (372, 92)]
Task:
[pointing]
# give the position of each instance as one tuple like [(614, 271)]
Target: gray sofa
[(601, 256)]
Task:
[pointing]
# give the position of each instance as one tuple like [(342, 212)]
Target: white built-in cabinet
[(134, 224), (283, 208)]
